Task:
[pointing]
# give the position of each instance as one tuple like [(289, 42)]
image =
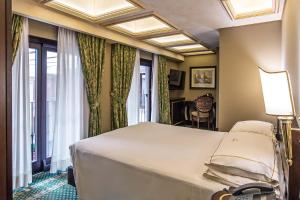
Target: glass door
[(43, 73), (34, 52), (145, 92), (50, 98)]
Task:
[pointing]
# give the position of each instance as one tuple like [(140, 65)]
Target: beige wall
[(106, 88), (242, 49), (196, 61), (42, 30), (291, 47)]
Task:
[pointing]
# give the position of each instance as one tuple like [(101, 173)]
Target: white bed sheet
[(146, 161)]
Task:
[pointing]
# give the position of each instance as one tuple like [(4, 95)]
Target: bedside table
[(294, 172)]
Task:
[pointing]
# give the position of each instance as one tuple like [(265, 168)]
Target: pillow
[(253, 126), (247, 155), (235, 181), (231, 180)]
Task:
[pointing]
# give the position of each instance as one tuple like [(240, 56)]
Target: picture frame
[(203, 77)]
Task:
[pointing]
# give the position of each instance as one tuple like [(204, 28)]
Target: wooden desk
[(177, 109)]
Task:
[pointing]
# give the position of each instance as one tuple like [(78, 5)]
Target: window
[(42, 88), (145, 90)]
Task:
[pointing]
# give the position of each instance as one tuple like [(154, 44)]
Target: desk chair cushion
[(199, 114)]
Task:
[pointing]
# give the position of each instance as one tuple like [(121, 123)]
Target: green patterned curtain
[(163, 91), (92, 51), (123, 59), (17, 25)]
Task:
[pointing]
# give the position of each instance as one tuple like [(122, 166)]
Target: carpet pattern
[(46, 186)]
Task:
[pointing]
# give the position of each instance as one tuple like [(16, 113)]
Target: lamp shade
[(277, 93)]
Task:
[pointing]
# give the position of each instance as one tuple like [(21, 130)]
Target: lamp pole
[(286, 132)]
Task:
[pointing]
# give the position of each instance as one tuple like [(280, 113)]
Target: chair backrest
[(204, 103)]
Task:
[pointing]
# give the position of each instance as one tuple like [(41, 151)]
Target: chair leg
[(198, 123)]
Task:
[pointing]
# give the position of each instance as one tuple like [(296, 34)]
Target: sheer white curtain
[(133, 99), (69, 121), (154, 94), (22, 172)]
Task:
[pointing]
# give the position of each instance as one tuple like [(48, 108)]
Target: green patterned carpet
[(47, 186)]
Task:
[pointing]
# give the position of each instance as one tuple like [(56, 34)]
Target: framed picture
[(203, 77)]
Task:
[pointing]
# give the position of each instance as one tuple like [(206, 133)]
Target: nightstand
[(294, 171)]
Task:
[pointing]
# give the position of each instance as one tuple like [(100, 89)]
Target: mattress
[(147, 161)]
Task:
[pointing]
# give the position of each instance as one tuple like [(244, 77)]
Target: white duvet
[(146, 161)]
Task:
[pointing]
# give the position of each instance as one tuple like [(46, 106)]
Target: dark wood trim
[(43, 46), (43, 41), (43, 105), (36, 166), (294, 173), (5, 101), (203, 67), (146, 62)]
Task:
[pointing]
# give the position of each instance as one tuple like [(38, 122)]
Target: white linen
[(21, 139), (236, 181), (154, 91), (146, 161), (252, 126), (69, 121), (231, 180), (247, 155), (133, 100)]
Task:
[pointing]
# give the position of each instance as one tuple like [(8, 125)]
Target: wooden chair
[(203, 108)]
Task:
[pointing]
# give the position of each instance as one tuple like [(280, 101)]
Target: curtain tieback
[(95, 106), (118, 99)]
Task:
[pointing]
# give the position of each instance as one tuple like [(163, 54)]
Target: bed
[(148, 161)]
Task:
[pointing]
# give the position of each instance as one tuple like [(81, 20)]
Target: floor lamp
[(279, 102)]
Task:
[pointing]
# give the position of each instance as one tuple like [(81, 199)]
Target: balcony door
[(145, 90), (43, 75)]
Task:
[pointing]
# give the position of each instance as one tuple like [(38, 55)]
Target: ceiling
[(203, 18), (192, 24)]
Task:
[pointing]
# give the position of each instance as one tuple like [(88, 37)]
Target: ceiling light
[(198, 53), (94, 10), (143, 26), (171, 40), (238, 9), (189, 48)]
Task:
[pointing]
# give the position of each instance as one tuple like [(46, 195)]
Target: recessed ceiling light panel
[(171, 40), (239, 9), (94, 10), (189, 48), (143, 26), (198, 53)]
